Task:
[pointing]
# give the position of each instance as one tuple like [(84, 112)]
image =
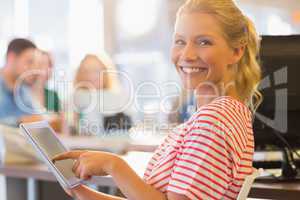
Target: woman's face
[(200, 52), (93, 72), (45, 65)]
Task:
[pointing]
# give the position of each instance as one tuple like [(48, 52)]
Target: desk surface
[(143, 143), (147, 143), (137, 160)]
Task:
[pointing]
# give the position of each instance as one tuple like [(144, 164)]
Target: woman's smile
[(193, 70)]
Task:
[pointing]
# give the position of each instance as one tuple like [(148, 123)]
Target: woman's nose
[(189, 53)]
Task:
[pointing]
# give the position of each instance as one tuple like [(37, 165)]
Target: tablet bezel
[(25, 128)]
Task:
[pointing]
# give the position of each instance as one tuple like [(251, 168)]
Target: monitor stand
[(289, 171)]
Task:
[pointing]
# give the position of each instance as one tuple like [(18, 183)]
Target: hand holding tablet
[(88, 163), (43, 138), (70, 168)]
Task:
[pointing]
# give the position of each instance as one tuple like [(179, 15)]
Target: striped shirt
[(209, 156)]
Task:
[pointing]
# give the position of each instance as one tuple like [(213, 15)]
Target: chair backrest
[(243, 194)]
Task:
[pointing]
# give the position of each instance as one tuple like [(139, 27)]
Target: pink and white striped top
[(207, 157)]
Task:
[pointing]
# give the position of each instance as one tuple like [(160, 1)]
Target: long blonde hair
[(112, 82), (238, 30)]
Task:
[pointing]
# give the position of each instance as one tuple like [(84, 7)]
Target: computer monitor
[(280, 109)]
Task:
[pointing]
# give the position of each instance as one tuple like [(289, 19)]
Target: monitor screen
[(280, 109)]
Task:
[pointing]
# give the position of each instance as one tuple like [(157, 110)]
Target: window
[(136, 18), (69, 29)]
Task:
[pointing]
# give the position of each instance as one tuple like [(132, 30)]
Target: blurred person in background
[(91, 72), (47, 99), (16, 102), (96, 76)]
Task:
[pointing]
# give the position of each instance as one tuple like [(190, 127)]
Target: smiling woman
[(199, 52), (210, 51), (209, 156)]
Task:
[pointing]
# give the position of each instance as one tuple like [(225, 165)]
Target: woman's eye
[(179, 42), (204, 42)]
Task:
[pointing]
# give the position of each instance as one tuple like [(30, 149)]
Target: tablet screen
[(51, 147)]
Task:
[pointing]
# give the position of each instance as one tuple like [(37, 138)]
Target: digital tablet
[(43, 138)]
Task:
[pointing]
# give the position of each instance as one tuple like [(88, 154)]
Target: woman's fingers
[(78, 171), (68, 155), (84, 174), (81, 173), (75, 166)]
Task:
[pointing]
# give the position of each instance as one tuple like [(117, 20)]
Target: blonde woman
[(208, 157), (95, 73), (91, 73)]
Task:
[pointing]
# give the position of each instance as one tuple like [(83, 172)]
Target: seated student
[(208, 157), (91, 79), (46, 98), (16, 101)]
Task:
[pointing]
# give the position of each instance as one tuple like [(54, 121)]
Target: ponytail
[(248, 70)]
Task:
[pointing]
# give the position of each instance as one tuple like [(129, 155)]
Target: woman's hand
[(94, 163), (90, 163)]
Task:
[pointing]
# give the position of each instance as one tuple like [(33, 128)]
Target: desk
[(138, 161), (147, 143), (32, 173), (284, 191)]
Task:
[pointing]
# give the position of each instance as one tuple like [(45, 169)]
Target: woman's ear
[(238, 52)]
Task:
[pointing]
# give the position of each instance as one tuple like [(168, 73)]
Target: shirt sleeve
[(203, 168), (10, 121)]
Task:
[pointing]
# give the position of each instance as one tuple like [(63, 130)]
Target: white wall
[(6, 26), (2, 188)]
